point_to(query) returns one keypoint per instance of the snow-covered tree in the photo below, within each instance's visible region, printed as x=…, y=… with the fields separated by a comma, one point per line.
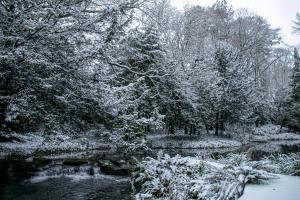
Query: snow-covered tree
x=226, y=85
x=47, y=49
x=296, y=77
x=139, y=82
x=297, y=23
x=292, y=111
x=74, y=65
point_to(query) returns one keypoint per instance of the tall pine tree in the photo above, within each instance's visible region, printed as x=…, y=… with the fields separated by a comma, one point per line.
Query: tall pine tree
x=296, y=78
x=144, y=59
x=293, y=104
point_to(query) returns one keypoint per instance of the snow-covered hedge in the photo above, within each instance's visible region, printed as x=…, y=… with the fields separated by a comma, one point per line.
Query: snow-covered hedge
x=192, y=178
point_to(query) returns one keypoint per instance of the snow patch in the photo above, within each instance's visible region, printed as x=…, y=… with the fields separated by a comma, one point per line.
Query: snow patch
x=286, y=187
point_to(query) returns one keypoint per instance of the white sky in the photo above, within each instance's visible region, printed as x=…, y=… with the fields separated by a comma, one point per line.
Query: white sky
x=279, y=13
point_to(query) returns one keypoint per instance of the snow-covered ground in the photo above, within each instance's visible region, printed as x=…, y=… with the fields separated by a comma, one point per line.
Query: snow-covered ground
x=283, y=188
x=271, y=132
x=33, y=142
x=30, y=143
x=236, y=137
x=279, y=136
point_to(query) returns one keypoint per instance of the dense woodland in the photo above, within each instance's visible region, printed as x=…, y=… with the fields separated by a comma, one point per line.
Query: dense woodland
x=134, y=67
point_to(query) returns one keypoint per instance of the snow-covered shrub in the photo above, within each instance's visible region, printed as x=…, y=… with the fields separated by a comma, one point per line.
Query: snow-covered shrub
x=280, y=163
x=191, y=178
x=268, y=129
x=284, y=163
x=126, y=143
x=238, y=131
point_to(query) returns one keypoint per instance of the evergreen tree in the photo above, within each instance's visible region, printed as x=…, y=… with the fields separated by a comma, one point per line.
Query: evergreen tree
x=293, y=104
x=296, y=77
x=225, y=86
x=46, y=59
x=144, y=59
x=297, y=24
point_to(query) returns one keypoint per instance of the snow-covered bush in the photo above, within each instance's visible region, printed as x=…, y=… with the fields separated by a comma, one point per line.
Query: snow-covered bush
x=268, y=129
x=126, y=143
x=280, y=163
x=192, y=178
x=285, y=163
x=272, y=132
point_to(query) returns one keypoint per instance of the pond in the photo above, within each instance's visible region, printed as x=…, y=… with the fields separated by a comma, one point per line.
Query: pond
x=285, y=146
x=66, y=188
x=56, y=181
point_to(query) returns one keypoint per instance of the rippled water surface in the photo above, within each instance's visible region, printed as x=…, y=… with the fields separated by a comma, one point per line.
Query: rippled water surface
x=66, y=188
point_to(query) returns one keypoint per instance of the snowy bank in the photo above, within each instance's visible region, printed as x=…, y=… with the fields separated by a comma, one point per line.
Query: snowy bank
x=29, y=143
x=270, y=132
x=286, y=187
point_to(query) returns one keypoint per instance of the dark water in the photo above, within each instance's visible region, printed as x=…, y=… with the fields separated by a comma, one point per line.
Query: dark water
x=284, y=147
x=57, y=181
x=66, y=188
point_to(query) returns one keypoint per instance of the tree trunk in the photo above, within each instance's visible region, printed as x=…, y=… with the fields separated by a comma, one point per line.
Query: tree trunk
x=282, y=123
x=194, y=129
x=222, y=123
x=147, y=129
x=205, y=124
x=171, y=129
x=217, y=124
x=186, y=131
